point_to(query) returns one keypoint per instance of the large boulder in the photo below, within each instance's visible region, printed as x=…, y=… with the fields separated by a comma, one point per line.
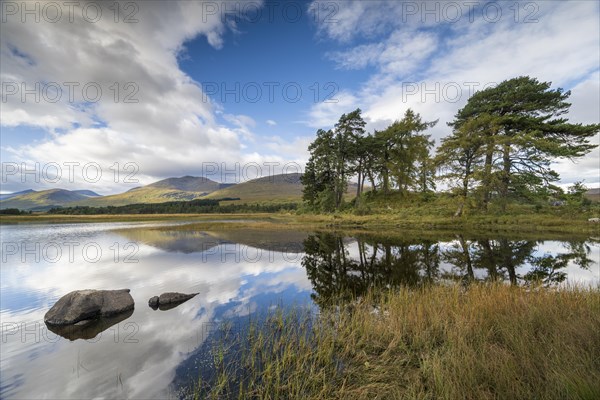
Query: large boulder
x=82, y=305
x=169, y=300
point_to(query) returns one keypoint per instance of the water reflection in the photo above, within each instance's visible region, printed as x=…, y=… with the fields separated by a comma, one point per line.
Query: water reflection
x=88, y=329
x=238, y=273
x=141, y=356
x=345, y=268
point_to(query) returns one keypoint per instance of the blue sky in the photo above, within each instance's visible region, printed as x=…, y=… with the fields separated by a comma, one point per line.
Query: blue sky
x=176, y=58
x=264, y=62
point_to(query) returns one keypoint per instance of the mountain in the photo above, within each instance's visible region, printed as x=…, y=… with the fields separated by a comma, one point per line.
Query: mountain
x=88, y=193
x=170, y=189
x=270, y=189
x=7, y=196
x=187, y=184
x=593, y=194
x=43, y=200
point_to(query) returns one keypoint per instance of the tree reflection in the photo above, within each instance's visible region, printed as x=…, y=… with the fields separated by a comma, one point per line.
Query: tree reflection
x=549, y=269
x=344, y=268
x=335, y=273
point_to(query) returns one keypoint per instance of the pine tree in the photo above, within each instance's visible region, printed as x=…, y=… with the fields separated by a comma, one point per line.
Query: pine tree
x=530, y=132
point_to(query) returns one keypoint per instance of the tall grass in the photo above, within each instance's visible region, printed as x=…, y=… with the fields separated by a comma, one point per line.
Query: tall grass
x=438, y=342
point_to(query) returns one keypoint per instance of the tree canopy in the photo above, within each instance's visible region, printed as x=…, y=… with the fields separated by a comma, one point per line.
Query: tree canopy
x=501, y=147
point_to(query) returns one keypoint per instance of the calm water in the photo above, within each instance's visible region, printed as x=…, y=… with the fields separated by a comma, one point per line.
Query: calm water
x=239, y=275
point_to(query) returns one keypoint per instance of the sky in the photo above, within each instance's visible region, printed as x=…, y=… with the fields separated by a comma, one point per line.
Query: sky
x=109, y=96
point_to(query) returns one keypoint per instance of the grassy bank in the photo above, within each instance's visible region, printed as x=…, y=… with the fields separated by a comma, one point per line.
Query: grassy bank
x=392, y=215
x=446, y=342
x=54, y=218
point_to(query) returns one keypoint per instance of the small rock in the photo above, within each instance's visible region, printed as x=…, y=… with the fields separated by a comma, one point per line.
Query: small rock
x=596, y=220
x=169, y=300
x=153, y=302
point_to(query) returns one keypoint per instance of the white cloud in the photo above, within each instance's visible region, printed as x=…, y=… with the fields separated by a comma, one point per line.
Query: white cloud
x=433, y=67
x=171, y=127
x=271, y=122
x=324, y=115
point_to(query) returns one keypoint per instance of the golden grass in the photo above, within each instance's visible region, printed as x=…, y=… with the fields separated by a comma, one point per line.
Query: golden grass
x=437, y=342
x=422, y=218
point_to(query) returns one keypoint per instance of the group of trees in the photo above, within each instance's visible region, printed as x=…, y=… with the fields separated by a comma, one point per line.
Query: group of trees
x=501, y=146
x=396, y=157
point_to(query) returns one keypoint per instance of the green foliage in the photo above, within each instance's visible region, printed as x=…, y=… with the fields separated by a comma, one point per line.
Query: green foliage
x=14, y=211
x=576, y=195
x=506, y=137
x=398, y=156
x=406, y=153
x=335, y=155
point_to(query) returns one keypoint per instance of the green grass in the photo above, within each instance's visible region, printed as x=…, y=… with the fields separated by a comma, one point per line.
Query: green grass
x=438, y=342
x=54, y=218
x=392, y=214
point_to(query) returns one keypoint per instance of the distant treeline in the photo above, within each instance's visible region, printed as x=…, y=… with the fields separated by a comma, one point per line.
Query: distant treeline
x=202, y=206
x=14, y=211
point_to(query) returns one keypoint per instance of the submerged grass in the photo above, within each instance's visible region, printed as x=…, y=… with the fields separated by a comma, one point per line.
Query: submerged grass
x=437, y=342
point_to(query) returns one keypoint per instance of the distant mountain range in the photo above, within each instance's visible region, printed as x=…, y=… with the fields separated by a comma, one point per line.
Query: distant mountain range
x=45, y=199
x=272, y=189
x=11, y=195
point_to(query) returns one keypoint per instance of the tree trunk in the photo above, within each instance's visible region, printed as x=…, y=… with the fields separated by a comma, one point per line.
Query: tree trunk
x=358, y=189
x=467, y=257
x=505, y=176
x=459, y=210
x=507, y=256
x=488, y=259
x=386, y=174
x=372, y=180
x=487, y=176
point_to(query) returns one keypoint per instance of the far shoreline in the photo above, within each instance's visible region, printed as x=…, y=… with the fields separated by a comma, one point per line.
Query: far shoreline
x=389, y=224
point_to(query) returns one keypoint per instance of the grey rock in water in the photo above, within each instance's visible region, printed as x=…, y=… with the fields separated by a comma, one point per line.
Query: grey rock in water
x=153, y=302
x=169, y=300
x=82, y=305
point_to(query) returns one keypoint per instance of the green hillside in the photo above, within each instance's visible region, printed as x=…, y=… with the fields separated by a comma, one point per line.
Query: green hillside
x=170, y=189
x=283, y=188
x=43, y=199
x=593, y=194
x=270, y=189
x=187, y=184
